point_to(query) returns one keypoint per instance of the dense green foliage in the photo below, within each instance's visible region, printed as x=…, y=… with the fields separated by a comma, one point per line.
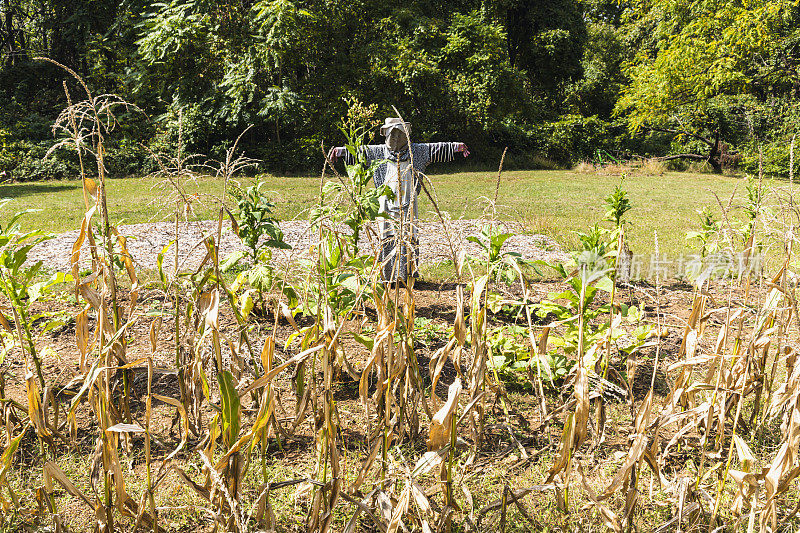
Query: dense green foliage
x=554, y=81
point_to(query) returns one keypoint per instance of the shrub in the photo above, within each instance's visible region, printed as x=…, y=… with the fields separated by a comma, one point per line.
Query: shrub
x=25, y=161
x=775, y=158
x=585, y=167
x=127, y=158
x=573, y=138
x=300, y=154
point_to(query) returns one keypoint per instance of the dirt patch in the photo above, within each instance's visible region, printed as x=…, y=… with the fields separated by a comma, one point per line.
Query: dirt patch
x=513, y=416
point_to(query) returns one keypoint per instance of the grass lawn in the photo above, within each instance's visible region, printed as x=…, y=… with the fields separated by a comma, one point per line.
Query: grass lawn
x=556, y=203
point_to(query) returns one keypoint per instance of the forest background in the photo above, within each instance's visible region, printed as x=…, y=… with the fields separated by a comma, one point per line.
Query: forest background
x=557, y=82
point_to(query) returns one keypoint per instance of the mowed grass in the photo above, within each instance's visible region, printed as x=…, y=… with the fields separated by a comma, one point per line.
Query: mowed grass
x=561, y=203
x=555, y=203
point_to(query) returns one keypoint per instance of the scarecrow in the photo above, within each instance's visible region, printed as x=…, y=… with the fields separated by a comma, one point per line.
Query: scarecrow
x=400, y=170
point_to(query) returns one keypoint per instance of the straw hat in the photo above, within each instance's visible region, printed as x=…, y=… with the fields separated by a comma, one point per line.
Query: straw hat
x=394, y=122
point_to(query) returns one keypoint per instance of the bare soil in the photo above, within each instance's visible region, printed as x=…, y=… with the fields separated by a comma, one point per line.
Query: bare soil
x=511, y=409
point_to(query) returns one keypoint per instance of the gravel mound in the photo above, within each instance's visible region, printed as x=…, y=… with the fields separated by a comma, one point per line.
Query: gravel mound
x=146, y=241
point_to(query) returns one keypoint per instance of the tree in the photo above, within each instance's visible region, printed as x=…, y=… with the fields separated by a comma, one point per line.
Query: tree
x=596, y=92
x=546, y=41
x=280, y=24
x=493, y=70
x=694, y=56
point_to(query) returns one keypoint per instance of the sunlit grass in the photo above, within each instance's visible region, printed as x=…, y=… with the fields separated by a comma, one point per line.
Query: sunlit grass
x=556, y=203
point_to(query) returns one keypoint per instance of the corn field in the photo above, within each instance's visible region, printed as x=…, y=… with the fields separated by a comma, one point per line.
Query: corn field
x=251, y=394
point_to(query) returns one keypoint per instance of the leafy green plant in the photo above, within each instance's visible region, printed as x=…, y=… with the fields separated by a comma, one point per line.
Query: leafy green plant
x=509, y=357
x=559, y=366
x=261, y=233
x=590, y=278
x=344, y=278
x=349, y=200
x=753, y=207
x=359, y=203
x=617, y=204
x=630, y=342
x=505, y=352
x=16, y=282
x=427, y=332
x=256, y=226
x=709, y=227
x=597, y=239
x=499, y=262
x=575, y=308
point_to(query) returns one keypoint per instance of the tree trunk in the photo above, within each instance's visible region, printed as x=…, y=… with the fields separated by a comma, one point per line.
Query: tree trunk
x=8, y=33
x=714, y=155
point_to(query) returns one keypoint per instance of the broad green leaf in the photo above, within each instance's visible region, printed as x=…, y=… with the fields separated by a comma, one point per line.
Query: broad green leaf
x=368, y=342
x=231, y=260
x=160, y=262
x=231, y=408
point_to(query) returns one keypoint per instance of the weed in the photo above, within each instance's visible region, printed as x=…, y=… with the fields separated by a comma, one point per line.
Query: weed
x=255, y=225
x=707, y=233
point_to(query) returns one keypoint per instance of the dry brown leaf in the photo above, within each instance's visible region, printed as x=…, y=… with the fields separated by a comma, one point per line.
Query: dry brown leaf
x=400, y=509
x=610, y=519
x=90, y=186
x=440, y=358
x=126, y=428
x=746, y=457
x=267, y=353
x=459, y=326
x=420, y=499
x=208, y=307
x=428, y=461
x=82, y=337
x=581, y=419
x=287, y=314
x=565, y=449
x=541, y=346
x=643, y=415
x=439, y=434
x=91, y=296
x=362, y=474
x=4, y=322
x=634, y=456
x=53, y=472
x=266, y=378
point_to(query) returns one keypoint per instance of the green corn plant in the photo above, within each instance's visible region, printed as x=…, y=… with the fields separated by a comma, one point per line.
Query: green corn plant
x=229, y=422
x=617, y=204
x=498, y=262
x=707, y=234
x=255, y=225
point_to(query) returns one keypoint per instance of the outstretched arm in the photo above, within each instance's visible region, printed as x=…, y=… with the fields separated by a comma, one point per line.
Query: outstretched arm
x=369, y=151
x=336, y=152
x=441, y=152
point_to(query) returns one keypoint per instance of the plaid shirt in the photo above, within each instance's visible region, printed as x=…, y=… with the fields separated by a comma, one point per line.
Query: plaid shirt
x=422, y=155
